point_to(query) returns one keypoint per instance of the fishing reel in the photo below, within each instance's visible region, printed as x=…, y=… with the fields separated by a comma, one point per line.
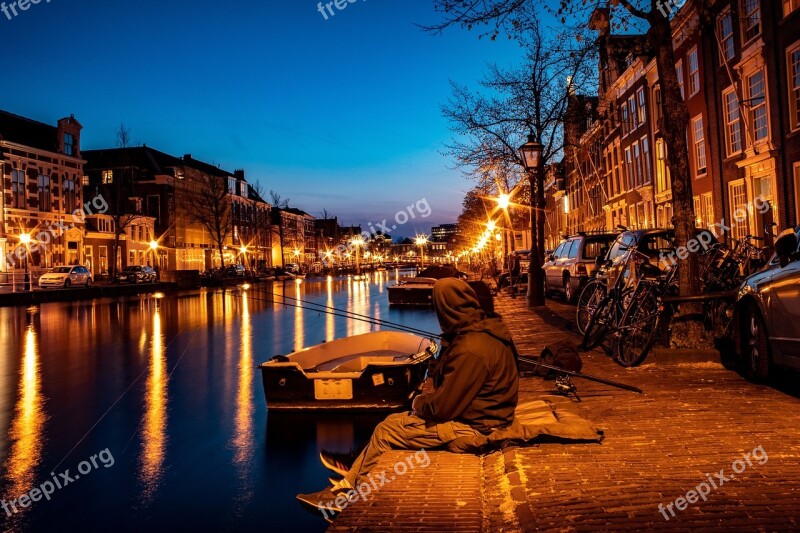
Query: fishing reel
x=565, y=386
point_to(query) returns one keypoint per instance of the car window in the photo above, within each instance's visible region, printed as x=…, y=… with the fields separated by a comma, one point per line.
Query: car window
x=592, y=249
x=652, y=245
x=557, y=253
x=574, y=248
x=61, y=270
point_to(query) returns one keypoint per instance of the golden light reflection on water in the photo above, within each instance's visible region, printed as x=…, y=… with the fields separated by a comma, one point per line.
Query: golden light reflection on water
x=27, y=428
x=330, y=323
x=243, y=441
x=154, y=430
x=299, y=330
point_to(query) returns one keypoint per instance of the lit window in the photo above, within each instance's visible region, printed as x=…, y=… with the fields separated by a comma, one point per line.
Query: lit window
x=646, y=160
x=629, y=167
x=751, y=19
x=726, y=36
x=794, y=85
x=789, y=6
x=642, y=108
x=69, y=195
x=739, y=216
x=699, y=145
x=633, y=116
x=694, y=72
x=108, y=177
x=758, y=106
x=663, y=183
x=85, y=181
x=708, y=209
x=733, y=123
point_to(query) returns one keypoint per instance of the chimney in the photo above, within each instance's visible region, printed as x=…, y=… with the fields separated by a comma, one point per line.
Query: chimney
x=186, y=157
x=238, y=174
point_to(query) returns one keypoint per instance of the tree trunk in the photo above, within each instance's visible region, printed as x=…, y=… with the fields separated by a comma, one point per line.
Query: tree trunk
x=674, y=128
x=535, y=273
x=221, y=254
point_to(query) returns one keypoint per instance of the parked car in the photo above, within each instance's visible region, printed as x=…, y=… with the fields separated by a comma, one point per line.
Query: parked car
x=66, y=277
x=136, y=274
x=574, y=262
x=293, y=268
x=767, y=312
x=235, y=271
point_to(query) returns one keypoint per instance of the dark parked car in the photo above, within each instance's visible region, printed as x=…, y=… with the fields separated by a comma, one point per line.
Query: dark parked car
x=574, y=262
x=136, y=274
x=767, y=313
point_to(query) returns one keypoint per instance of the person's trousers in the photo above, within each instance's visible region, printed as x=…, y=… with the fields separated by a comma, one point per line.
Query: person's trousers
x=405, y=431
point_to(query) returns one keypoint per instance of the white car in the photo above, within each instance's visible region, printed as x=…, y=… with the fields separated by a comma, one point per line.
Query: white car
x=66, y=277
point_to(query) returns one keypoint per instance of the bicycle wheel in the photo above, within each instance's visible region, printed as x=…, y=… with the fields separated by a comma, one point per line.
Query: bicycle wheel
x=590, y=297
x=636, y=332
x=597, y=326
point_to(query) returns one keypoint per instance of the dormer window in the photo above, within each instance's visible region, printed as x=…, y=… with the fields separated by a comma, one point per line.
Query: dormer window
x=69, y=144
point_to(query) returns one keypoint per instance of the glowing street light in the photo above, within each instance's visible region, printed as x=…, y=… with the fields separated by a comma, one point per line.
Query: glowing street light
x=503, y=201
x=25, y=240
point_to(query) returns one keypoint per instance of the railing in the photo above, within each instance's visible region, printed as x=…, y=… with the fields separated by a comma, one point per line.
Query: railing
x=16, y=281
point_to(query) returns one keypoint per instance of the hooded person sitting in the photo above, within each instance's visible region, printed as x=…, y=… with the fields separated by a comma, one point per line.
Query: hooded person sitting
x=475, y=391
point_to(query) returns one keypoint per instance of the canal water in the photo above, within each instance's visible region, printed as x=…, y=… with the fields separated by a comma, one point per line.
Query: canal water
x=153, y=408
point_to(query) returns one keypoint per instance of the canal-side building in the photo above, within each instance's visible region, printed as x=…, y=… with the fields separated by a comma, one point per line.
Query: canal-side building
x=41, y=167
x=174, y=191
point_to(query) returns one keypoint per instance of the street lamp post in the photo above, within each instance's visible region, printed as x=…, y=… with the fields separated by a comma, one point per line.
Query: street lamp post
x=531, y=154
x=25, y=239
x=421, y=241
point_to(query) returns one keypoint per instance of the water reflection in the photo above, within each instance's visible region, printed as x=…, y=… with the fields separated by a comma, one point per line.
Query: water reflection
x=27, y=428
x=154, y=429
x=243, y=442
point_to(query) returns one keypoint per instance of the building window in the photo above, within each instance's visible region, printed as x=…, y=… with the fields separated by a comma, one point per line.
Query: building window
x=232, y=185
x=751, y=19
x=629, y=167
x=69, y=144
x=726, y=36
x=663, y=183
x=758, y=106
x=44, y=193
x=108, y=177
x=733, y=122
x=698, y=218
x=699, y=146
x=789, y=6
x=624, y=119
x=797, y=187
x=637, y=160
x=18, y=188
x=632, y=114
x=131, y=257
x=85, y=181
x=738, y=195
x=657, y=109
x=69, y=195
x=642, y=108
x=679, y=71
x=793, y=57
x=646, y=160
x=708, y=209
x=694, y=72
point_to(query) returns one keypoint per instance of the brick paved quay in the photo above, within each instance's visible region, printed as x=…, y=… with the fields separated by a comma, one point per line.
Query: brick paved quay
x=694, y=420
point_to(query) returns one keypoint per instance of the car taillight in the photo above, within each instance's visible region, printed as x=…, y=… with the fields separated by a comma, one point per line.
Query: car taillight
x=580, y=270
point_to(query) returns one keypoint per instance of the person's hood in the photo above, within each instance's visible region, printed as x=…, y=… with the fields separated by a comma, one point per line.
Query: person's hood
x=456, y=305
x=459, y=311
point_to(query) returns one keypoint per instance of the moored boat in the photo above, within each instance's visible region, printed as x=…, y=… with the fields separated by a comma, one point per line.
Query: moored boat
x=373, y=371
x=419, y=289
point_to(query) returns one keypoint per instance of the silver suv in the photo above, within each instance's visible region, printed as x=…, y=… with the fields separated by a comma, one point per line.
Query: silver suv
x=574, y=262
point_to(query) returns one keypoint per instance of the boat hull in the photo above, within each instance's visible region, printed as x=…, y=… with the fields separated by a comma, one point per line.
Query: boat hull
x=375, y=371
x=409, y=294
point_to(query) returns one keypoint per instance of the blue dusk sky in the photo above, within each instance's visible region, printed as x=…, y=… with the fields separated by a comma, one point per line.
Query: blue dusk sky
x=340, y=114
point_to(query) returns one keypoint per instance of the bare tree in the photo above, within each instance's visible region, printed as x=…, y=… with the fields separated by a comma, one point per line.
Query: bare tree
x=277, y=201
x=120, y=190
x=212, y=207
x=497, y=16
x=530, y=99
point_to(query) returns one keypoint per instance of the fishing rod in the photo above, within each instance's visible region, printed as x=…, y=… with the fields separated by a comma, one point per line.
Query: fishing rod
x=346, y=314
x=568, y=387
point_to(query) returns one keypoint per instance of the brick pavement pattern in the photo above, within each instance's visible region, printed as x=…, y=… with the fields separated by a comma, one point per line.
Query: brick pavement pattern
x=694, y=420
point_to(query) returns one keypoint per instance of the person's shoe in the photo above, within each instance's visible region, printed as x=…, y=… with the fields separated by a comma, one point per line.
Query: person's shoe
x=338, y=463
x=325, y=500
